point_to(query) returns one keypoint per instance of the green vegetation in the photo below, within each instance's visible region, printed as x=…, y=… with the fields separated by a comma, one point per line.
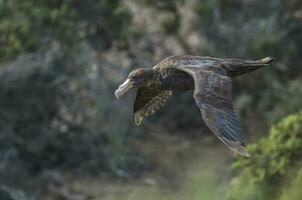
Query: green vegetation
x=29, y=26
x=275, y=159
x=293, y=192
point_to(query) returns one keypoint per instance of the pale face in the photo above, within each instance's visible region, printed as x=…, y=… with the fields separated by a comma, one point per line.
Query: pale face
x=137, y=78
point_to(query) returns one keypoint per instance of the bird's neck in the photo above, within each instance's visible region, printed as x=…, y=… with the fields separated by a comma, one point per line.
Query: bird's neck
x=155, y=81
x=160, y=80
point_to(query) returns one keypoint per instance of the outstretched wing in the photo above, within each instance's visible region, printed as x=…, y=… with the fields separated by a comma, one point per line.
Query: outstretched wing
x=213, y=95
x=147, y=102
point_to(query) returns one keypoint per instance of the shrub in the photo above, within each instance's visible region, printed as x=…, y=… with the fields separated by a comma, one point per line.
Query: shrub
x=262, y=176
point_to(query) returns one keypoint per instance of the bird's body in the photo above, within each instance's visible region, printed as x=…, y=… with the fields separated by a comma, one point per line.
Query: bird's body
x=211, y=79
x=173, y=79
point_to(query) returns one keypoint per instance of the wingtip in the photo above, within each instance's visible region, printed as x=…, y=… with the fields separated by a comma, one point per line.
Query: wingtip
x=137, y=119
x=237, y=147
x=241, y=150
x=245, y=153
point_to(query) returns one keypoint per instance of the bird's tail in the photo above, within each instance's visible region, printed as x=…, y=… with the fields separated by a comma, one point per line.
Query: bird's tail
x=238, y=67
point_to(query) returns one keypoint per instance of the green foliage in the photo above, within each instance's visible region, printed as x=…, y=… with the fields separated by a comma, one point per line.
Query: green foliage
x=170, y=22
x=261, y=176
x=159, y=4
x=293, y=192
x=27, y=26
x=280, y=94
x=208, y=10
x=56, y=116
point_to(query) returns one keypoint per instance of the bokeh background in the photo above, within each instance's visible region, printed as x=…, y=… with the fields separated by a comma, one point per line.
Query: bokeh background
x=63, y=135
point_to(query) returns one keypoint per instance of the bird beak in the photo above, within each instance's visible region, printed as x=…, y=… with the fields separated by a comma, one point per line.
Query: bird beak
x=123, y=88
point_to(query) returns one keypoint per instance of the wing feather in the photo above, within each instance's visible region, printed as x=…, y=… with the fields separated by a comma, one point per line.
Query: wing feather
x=147, y=102
x=213, y=95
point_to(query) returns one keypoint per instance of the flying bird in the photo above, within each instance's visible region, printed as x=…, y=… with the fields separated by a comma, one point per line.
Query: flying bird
x=211, y=80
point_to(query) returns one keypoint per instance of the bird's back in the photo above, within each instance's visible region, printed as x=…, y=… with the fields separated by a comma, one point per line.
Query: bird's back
x=224, y=66
x=187, y=60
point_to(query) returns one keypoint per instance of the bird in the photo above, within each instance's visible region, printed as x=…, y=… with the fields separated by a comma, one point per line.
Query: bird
x=211, y=80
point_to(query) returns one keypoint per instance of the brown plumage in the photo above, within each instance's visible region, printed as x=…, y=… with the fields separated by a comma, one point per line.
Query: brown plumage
x=211, y=79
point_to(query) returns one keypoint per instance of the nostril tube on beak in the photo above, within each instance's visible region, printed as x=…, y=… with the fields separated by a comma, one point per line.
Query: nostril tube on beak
x=123, y=88
x=116, y=94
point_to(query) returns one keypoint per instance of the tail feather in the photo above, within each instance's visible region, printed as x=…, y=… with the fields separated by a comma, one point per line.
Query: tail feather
x=239, y=67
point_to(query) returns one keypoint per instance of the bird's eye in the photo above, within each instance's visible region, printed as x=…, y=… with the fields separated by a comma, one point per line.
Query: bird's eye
x=137, y=77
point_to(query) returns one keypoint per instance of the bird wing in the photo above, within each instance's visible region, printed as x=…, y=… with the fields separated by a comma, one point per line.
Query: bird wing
x=213, y=95
x=147, y=102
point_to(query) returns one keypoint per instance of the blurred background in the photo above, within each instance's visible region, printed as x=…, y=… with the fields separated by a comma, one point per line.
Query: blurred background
x=64, y=136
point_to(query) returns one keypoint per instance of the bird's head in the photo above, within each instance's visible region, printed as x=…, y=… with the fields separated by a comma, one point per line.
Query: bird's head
x=136, y=79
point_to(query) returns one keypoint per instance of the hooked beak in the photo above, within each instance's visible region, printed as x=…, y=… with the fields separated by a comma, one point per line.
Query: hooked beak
x=123, y=88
